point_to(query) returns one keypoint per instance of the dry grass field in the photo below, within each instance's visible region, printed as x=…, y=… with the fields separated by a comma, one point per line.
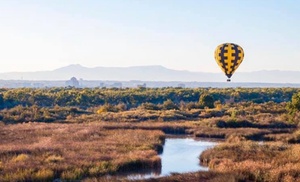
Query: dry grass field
x=43, y=152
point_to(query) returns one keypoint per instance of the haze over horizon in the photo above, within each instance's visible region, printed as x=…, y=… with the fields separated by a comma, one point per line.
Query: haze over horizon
x=180, y=35
x=154, y=73
x=92, y=67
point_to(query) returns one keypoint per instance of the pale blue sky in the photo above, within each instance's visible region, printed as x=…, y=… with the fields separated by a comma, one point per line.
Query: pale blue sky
x=178, y=34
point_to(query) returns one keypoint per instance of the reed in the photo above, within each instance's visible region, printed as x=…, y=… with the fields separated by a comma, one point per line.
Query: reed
x=270, y=161
x=43, y=152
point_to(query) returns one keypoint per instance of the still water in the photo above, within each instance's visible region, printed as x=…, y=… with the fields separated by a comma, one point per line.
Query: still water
x=180, y=155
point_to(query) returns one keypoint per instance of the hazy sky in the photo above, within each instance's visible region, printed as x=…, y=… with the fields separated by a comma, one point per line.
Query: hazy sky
x=178, y=34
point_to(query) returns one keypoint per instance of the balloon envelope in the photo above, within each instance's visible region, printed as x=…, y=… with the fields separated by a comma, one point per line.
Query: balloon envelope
x=229, y=56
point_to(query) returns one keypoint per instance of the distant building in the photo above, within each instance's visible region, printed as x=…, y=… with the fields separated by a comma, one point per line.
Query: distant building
x=73, y=82
x=142, y=85
x=181, y=85
x=37, y=85
x=81, y=82
x=116, y=85
x=102, y=85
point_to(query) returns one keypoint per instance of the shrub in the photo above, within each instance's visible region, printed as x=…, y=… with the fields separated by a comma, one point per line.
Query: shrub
x=72, y=174
x=193, y=105
x=20, y=157
x=150, y=106
x=168, y=105
x=206, y=100
x=54, y=159
x=44, y=175
x=107, y=108
x=218, y=105
x=294, y=104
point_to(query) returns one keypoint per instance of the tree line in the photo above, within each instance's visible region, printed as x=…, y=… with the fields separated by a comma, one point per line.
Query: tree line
x=134, y=97
x=57, y=104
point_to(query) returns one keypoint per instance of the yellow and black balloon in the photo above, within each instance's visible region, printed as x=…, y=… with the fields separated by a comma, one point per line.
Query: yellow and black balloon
x=229, y=56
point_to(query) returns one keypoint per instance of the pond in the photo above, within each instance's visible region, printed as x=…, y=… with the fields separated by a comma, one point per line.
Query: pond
x=179, y=155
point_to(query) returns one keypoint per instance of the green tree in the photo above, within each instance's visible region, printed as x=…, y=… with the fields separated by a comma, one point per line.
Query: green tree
x=169, y=104
x=206, y=100
x=294, y=105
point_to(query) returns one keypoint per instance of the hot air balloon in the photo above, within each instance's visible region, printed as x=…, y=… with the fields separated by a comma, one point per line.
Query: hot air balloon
x=229, y=56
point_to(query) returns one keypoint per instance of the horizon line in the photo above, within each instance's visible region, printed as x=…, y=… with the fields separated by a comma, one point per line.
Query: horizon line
x=136, y=66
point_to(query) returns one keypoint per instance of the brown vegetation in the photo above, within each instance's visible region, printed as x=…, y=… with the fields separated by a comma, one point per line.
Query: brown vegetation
x=88, y=133
x=268, y=161
x=42, y=152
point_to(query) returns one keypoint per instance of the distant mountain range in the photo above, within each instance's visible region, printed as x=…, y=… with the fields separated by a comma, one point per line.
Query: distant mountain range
x=151, y=73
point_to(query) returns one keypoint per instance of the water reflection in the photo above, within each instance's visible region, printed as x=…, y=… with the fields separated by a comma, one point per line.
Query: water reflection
x=179, y=155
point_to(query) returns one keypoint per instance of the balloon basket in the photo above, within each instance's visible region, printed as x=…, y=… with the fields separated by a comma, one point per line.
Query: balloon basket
x=228, y=80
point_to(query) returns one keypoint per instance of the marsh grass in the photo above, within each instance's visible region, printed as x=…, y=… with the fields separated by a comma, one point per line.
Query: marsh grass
x=53, y=159
x=270, y=161
x=253, y=121
x=43, y=152
x=20, y=158
x=295, y=138
x=113, y=138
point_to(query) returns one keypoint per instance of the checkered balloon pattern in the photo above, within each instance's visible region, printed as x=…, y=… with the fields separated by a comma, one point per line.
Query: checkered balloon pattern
x=229, y=56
